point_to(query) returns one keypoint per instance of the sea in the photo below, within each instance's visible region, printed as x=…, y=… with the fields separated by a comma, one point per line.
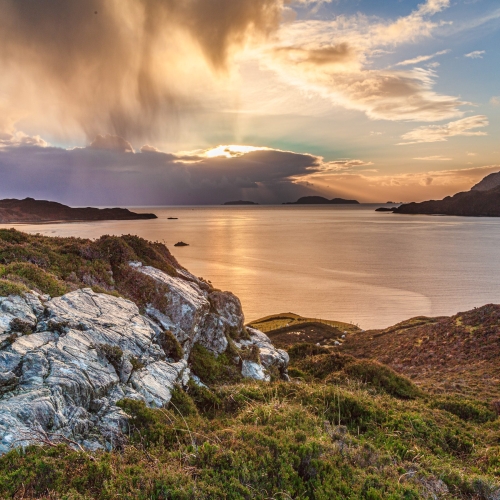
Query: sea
x=345, y=263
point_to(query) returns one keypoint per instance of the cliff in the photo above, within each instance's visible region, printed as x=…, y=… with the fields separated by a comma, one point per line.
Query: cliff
x=30, y=210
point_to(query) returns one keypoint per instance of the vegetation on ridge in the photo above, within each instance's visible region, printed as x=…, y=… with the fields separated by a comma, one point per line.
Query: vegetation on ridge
x=56, y=266
x=336, y=439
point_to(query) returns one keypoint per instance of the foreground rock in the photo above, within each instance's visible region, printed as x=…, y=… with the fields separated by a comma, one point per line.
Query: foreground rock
x=30, y=210
x=66, y=361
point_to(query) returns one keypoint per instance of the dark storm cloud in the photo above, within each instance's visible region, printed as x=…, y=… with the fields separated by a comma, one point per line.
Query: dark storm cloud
x=116, y=176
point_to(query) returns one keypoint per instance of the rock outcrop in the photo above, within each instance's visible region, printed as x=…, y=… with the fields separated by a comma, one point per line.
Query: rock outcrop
x=66, y=361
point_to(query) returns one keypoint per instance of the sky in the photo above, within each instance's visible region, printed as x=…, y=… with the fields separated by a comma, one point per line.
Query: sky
x=161, y=102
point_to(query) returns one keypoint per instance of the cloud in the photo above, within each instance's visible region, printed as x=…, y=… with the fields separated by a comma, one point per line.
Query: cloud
x=108, y=172
x=341, y=71
x=441, y=133
x=420, y=59
x=418, y=186
x=495, y=101
x=477, y=54
x=112, y=143
x=20, y=139
x=129, y=67
x=344, y=164
x=433, y=158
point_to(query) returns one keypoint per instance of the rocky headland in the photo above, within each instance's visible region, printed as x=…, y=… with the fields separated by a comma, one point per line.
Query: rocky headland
x=320, y=200
x=67, y=359
x=30, y=210
x=483, y=200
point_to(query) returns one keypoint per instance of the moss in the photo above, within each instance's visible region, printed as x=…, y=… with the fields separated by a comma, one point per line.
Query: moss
x=170, y=345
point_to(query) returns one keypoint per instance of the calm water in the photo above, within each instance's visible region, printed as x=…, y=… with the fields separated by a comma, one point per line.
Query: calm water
x=344, y=263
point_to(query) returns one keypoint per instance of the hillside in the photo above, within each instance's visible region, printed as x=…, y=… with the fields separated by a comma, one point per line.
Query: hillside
x=476, y=203
x=458, y=354
x=124, y=376
x=34, y=211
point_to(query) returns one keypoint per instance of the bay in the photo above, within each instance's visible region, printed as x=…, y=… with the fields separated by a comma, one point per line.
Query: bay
x=346, y=263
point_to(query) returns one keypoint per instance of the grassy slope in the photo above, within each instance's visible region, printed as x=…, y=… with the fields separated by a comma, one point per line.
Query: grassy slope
x=457, y=354
x=282, y=320
x=282, y=440
x=251, y=440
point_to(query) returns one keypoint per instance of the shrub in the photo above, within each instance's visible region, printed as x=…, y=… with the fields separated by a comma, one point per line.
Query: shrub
x=35, y=277
x=205, y=400
x=210, y=369
x=182, y=402
x=466, y=409
x=18, y=325
x=136, y=363
x=322, y=365
x=112, y=353
x=8, y=287
x=148, y=426
x=382, y=377
x=302, y=351
x=170, y=345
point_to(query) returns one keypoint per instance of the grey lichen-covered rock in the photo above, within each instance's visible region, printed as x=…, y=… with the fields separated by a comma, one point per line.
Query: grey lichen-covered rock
x=60, y=381
x=271, y=359
x=252, y=369
x=66, y=361
x=196, y=314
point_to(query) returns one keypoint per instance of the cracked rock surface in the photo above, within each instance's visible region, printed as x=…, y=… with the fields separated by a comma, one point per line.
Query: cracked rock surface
x=66, y=361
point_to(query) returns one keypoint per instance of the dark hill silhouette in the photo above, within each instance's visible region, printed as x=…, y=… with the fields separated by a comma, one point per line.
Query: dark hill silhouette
x=470, y=203
x=319, y=200
x=31, y=210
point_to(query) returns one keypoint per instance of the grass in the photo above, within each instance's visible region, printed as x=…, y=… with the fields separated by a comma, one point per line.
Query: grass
x=55, y=266
x=276, y=321
x=281, y=440
x=345, y=428
x=340, y=437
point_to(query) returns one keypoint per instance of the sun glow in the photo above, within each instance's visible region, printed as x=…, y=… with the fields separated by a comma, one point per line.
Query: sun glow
x=230, y=151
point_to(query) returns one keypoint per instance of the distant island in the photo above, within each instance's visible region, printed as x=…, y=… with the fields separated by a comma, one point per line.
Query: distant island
x=483, y=200
x=30, y=210
x=240, y=202
x=319, y=200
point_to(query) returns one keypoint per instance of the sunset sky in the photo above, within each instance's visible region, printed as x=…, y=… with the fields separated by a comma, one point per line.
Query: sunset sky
x=158, y=102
